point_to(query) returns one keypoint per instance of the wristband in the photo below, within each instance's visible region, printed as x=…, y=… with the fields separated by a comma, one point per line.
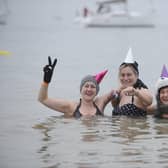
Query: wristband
x=44, y=83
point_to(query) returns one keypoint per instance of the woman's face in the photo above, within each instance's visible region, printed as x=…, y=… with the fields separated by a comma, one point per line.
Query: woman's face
x=127, y=76
x=88, y=91
x=164, y=95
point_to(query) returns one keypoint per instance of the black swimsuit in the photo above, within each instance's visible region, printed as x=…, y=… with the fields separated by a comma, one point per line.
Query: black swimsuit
x=77, y=113
x=129, y=109
x=160, y=111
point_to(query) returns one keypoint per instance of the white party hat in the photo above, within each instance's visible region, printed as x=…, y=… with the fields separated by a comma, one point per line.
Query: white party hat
x=129, y=57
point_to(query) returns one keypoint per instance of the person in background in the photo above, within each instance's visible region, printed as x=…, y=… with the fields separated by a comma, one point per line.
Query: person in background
x=89, y=105
x=85, y=12
x=133, y=95
x=160, y=109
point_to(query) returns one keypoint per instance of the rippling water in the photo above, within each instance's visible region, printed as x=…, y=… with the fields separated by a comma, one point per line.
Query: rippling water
x=103, y=142
x=32, y=136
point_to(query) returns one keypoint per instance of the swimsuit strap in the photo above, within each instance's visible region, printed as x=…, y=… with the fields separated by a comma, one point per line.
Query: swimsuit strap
x=132, y=99
x=77, y=113
x=98, y=112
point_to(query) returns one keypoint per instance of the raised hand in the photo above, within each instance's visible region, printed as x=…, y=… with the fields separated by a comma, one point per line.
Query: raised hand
x=48, y=70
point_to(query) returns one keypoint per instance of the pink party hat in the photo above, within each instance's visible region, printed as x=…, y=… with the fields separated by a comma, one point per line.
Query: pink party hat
x=164, y=73
x=100, y=76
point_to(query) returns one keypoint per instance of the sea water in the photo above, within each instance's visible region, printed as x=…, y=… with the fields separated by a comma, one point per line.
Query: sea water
x=32, y=135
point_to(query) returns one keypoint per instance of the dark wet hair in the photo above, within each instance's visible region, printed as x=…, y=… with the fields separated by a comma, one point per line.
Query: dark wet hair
x=139, y=84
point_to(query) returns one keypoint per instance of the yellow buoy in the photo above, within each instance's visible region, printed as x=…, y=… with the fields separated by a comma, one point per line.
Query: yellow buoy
x=4, y=53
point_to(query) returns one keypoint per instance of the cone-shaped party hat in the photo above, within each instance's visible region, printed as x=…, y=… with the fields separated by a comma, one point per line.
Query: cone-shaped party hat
x=163, y=80
x=100, y=76
x=129, y=57
x=164, y=73
x=96, y=79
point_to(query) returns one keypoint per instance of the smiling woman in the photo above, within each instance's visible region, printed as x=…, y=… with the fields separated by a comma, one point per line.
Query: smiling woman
x=160, y=109
x=134, y=95
x=89, y=105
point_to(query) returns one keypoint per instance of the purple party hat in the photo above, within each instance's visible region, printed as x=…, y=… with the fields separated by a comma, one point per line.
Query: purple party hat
x=164, y=73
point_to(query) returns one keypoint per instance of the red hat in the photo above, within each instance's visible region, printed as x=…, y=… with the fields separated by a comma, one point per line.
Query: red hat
x=100, y=76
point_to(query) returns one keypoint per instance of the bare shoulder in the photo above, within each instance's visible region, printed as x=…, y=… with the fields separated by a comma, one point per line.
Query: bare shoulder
x=99, y=100
x=103, y=100
x=71, y=107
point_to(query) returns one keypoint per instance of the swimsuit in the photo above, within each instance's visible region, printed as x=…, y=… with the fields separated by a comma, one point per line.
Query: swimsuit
x=161, y=111
x=129, y=109
x=77, y=113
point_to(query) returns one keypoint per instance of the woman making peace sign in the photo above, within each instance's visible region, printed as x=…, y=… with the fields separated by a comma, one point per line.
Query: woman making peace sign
x=89, y=104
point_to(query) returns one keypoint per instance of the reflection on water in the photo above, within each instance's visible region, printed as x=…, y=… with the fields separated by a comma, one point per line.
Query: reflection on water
x=103, y=142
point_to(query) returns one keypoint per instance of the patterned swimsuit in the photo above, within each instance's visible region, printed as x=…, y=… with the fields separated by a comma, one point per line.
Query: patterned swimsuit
x=129, y=109
x=77, y=113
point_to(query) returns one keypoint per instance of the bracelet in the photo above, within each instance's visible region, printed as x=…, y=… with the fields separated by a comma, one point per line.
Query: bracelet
x=45, y=84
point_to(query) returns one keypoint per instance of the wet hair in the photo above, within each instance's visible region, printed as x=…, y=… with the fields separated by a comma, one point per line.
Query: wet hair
x=162, y=88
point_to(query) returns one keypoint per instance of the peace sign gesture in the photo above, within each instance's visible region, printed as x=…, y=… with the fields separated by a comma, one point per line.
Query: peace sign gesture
x=48, y=70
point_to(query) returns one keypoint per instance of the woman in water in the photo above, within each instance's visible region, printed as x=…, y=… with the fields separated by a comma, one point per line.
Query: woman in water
x=160, y=109
x=89, y=105
x=133, y=95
